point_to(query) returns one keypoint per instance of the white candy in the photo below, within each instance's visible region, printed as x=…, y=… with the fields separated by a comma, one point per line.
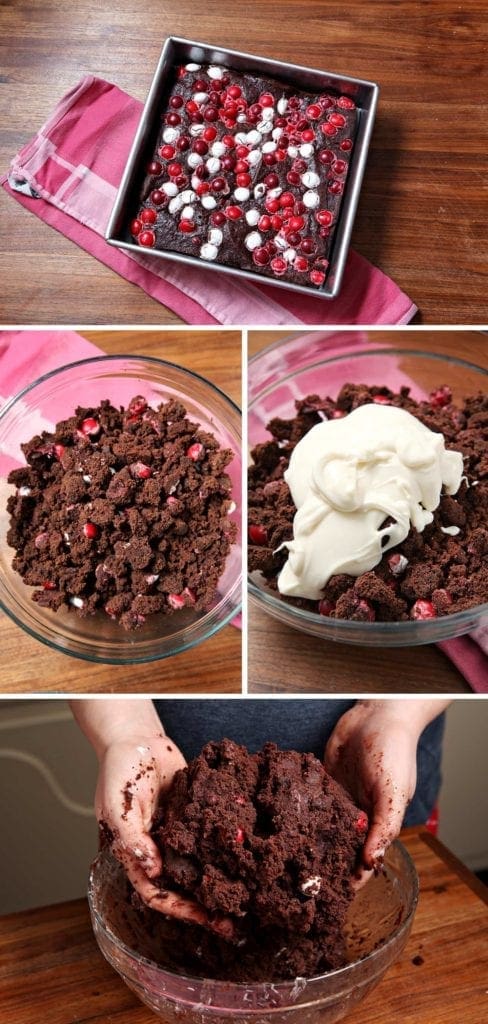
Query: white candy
x=241, y=194
x=200, y=97
x=252, y=240
x=252, y=217
x=282, y=105
x=187, y=212
x=87, y=478
x=280, y=242
x=208, y=251
x=192, y=67
x=169, y=188
x=259, y=190
x=215, y=72
x=264, y=127
x=215, y=236
x=312, y=885
x=268, y=113
x=292, y=151
x=218, y=149
x=274, y=193
x=194, y=160
x=277, y=133
x=213, y=165
x=195, y=181
x=310, y=179
x=289, y=255
x=232, y=507
x=254, y=157
x=269, y=147
x=188, y=196
x=254, y=137
x=170, y=134
x=175, y=205
x=209, y=203
x=197, y=129
x=241, y=118
x=24, y=491
x=311, y=200
x=306, y=149
x=77, y=602
x=241, y=138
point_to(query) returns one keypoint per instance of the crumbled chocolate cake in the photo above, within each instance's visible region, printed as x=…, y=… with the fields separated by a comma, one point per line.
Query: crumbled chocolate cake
x=271, y=841
x=124, y=511
x=247, y=172
x=439, y=571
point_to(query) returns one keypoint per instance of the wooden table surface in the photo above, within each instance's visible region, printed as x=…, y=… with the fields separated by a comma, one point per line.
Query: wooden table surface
x=319, y=666
x=51, y=969
x=422, y=216
x=212, y=667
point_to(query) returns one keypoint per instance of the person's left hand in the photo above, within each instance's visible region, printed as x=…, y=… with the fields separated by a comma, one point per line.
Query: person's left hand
x=372, y=753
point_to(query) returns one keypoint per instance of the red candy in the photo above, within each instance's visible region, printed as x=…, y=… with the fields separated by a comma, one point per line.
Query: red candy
x=90, y=427
x=423, y=610
x=135, y=226
x=264, y=223
x=258, y=535
x=337, y=119
x=271, y=180
x=278, y=266
x=317, y=277
x=174, y=170
x=233, y=212
x=441, y=397
x=314, y=111
x=324, y=217
x=195, y=452
x=90, y=531
x=346, y=103
x=148, y=216
x=361, y=822
x=167, y=152
x=186, y=226
x=140, y=470
x=326, y=607
x=266, y=100
x=154, y=167
x=137, y=406
x=209, y=133
x=147, y=238
x=261, y=256
x=239, y=836
x=158, y=197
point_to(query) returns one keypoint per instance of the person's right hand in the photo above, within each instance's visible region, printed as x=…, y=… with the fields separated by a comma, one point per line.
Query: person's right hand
x=133, y=775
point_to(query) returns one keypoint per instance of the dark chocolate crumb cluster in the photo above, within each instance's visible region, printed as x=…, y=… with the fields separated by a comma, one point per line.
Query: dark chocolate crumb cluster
x=440, y=571
x=271, y=841
x=124, y=511
x=247, y=172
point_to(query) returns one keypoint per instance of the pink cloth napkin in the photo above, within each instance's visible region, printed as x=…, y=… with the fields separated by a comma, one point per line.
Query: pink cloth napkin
x=74, y=165
x=27, y=355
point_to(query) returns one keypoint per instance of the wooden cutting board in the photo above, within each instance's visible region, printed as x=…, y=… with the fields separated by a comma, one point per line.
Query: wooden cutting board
x=51, y=970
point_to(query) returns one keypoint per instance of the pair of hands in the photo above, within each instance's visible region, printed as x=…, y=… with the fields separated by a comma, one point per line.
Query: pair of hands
x=372, y=753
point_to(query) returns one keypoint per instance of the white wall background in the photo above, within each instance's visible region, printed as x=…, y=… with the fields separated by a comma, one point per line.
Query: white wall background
x=47, y=780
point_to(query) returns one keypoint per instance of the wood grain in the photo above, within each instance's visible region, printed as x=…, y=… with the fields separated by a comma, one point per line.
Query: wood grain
x=318, y=666
x=51, y=969
x=212, y=667
x=422, y=215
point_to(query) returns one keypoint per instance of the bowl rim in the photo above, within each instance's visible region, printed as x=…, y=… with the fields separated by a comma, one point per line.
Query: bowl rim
x=130, y=656
x=280, y=985
x=347, y=626
x=114, y=358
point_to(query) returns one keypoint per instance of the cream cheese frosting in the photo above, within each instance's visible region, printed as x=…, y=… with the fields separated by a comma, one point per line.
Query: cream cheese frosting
x=347, y=477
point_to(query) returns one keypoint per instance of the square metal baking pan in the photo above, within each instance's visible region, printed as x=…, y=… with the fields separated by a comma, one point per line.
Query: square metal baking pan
x=182, y=51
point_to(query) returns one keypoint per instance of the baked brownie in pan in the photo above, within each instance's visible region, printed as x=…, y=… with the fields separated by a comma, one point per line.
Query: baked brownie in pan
x=286, y=81
x=439, y=571
x=269, y=840
x=123, y=511
x=248, y=172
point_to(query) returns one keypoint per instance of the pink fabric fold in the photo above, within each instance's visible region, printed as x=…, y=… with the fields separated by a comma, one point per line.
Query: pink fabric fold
x=74, y=165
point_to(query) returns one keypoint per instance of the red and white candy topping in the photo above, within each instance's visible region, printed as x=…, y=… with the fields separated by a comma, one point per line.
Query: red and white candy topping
x=241, y=169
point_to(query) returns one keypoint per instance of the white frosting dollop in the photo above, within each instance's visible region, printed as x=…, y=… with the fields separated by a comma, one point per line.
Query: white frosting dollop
x=346, y=477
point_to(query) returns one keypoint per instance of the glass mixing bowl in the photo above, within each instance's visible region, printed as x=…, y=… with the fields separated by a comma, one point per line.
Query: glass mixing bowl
x=378, y=926
x=320, y=363
x=118, y=378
